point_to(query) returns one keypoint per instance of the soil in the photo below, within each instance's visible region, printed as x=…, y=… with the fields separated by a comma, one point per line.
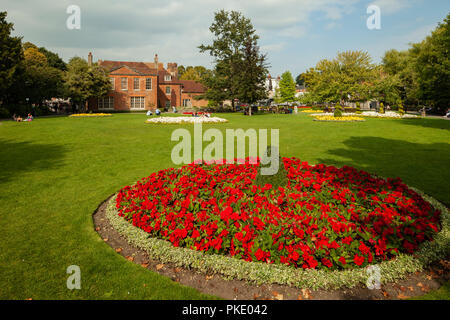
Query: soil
x=416, y=284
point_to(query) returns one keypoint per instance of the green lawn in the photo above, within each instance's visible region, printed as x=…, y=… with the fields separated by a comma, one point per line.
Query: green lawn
x=55, y=171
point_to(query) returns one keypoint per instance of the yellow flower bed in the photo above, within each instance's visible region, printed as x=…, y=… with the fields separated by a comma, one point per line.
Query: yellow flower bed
x=338, y=119
x=91, y=115
x=311, y=111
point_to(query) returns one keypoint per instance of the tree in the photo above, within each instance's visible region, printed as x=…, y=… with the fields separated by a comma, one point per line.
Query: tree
x=84, y=82
x=197, y=73
x=398, y=66
x=287, y=87
x=431, y=62
x=232, y=34
x=11, y=55
x=348, y=77
x=53, y=59
x=252, y=75
x=299, y=80
x=39, y=81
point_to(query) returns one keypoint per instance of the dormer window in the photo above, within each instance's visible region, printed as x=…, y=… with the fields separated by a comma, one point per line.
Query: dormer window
x=167, y=78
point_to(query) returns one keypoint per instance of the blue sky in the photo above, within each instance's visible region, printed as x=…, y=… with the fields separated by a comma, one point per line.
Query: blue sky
x=295, y=34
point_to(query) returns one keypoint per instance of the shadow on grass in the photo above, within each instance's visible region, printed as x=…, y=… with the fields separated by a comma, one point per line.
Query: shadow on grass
x=17, y=158
x=428, y=123
x=424, y=166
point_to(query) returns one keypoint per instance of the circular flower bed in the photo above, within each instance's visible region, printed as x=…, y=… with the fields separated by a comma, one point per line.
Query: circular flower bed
x=324, y=218
x=78, y=115
x=181, y=120
x=331, y=118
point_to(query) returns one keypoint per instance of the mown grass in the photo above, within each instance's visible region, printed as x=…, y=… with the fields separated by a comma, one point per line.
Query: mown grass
x=54, y=173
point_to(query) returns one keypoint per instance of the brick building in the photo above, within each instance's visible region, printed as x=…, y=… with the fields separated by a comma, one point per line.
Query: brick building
x=146, y=86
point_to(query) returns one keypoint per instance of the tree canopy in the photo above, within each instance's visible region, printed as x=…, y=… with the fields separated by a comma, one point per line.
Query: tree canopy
x=83, y=81
x=240, y=69
x=287, y=87
x=11, y=55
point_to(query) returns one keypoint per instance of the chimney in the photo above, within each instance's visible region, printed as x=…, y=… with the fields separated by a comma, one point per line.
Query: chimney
x=90, y=59
x=156, y=61
x=172, y=67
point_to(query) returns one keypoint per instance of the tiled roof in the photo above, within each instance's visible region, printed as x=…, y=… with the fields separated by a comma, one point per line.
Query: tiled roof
x=192, y=86
x=138, y=67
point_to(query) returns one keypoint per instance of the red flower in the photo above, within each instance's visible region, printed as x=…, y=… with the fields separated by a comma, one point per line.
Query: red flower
x=358, y=260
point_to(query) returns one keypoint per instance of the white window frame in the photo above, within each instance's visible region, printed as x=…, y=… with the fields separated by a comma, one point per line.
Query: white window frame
x=170, y=90
x=167, y=77
x=138, y=82
x=137, y=103
x=105, y=103
x=122, y=83
x=113, y=83
x=186, y=102
x=147, y=81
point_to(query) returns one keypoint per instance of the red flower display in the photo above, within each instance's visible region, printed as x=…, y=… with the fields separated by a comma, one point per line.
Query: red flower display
x=325, y=217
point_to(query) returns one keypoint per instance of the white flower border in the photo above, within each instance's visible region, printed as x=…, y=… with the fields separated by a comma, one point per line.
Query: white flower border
x=182, y=120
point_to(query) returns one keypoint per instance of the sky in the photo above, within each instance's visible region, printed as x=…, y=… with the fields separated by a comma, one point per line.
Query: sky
x=295, y=34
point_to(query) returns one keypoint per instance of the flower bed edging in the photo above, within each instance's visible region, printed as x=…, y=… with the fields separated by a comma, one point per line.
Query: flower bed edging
x=261, y=273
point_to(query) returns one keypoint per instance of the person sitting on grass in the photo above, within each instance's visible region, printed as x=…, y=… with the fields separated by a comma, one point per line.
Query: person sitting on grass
x=157, y=112
x=17, y=118
x=149, y=113
x=29, y=117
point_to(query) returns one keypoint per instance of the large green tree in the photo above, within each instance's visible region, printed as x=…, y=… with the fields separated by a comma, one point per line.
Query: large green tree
x=348, y=77
x=83, y=82
x=287, y=87
x=431, y=60
x=38, y=81
x=252, y=75
x=234, y=42
x=11, y=55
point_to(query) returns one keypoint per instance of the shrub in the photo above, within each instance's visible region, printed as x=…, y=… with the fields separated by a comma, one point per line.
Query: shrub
x=381, y=108
x=401, y=110
x=338, y=111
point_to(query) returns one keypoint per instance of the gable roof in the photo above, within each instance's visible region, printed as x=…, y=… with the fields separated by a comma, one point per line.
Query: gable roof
x=192, y=86
x=138, y=67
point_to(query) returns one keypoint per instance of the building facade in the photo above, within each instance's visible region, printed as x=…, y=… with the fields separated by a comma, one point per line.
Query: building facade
x=146, y=86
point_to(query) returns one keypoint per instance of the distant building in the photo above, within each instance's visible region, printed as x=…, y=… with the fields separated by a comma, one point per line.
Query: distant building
x=146, y=86
x=299, y=91
x=271, y=85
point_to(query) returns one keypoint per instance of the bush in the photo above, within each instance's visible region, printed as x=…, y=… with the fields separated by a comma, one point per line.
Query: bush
x=381, y=108
x=338, y=111
x=401, y=110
